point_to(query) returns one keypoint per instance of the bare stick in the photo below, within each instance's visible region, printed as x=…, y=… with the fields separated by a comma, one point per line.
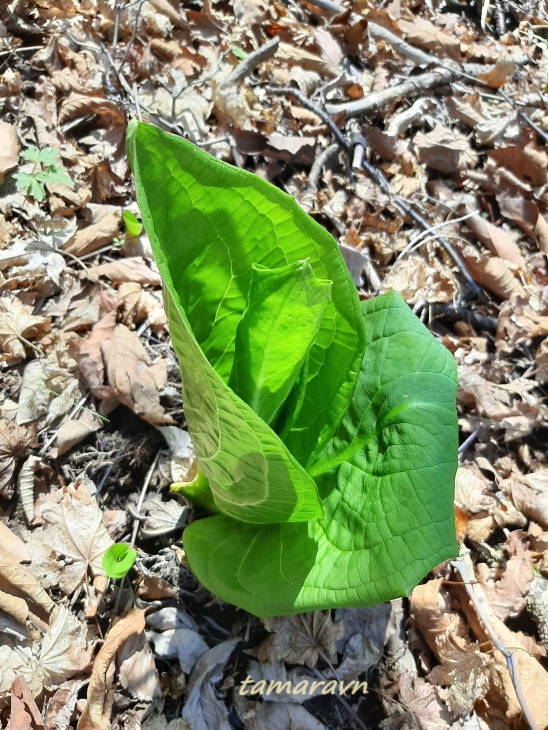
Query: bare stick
x=407, y=89
x=472, y=289
x=319, y=163
x=482, y=610
x=244, y=68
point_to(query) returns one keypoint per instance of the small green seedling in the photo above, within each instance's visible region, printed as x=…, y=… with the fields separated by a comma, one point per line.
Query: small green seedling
x=48, y=169
x=325, y=428
x=118, y=559
x=132, y=225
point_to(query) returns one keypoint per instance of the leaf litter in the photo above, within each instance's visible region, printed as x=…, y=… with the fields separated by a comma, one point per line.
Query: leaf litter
x=88, y=373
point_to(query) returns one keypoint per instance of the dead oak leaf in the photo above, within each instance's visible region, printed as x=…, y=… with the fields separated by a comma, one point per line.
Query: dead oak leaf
x=301, y=639
x=135, y=380
x=72, y=540
x=132, y=269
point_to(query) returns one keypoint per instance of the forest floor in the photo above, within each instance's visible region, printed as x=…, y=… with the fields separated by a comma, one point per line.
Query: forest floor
x=443, y=197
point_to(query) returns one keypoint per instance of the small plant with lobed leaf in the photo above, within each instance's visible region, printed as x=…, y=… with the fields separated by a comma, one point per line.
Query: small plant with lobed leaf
x=48, y=168
x=325, y=429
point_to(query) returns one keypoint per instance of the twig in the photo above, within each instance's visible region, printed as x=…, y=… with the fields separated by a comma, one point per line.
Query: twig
x=244, y=68
x=482, y=611
x=20, y=49
x=319, y=163
x=472, y=289
x=329, y=6
x=133, y=34
x=139, y=505
x=409, y=88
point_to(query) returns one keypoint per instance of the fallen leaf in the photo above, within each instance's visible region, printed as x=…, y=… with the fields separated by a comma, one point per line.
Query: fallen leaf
x=162, y=517
x=9, y=146
x=467, y=671
x=73, y=431
x=48, y=389
x=100, y=696
x=498, y=75
x=87, y=353
x=14, y=443
x=444, y=150
x=138, y=673
x=203, y=709
x=431, y=609
x=301, y=639
x=24, y=712
x=138, y=304
x=64, y=651
x=497, y=240
x=17, y=580
x=133, y=377
x=18, y=326
x=70, y=544
x=13, y=544
x=506, y=596
x=101, y=226
x=424, y=34
x=133, y=269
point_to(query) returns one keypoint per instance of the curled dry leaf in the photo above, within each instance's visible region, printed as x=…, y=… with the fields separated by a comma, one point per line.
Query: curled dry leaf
x=87, y=353
x=132, y=269
x=498, y=75
x=72, y=540
x=138, y=673
x=14, y=442
x=25, y=484
x=100, y=696
x=431, y=608
x=101, y=227
x=19, y=581
x=138, y=305
x=18, y=326
x=13, y=544
x=497, y=240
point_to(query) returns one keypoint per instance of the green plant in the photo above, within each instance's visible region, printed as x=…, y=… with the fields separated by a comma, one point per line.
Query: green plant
x=47, y=169
x=325, y=429
x=118, y=559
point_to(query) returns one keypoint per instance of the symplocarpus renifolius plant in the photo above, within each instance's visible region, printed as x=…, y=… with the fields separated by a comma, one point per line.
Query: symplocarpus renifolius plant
x=325, y=428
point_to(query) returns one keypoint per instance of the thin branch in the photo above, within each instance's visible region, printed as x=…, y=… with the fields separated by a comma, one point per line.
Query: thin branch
x=471, y=288
x=482, y=611
x=243, y=69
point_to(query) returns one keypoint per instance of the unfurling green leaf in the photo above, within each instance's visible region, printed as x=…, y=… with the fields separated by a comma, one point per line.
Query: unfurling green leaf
x=325, y=430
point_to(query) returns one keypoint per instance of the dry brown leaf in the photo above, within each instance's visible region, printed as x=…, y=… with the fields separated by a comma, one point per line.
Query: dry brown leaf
x=132, y=376
x=14, y=606
x=493, y=273
x=301, y=639
x=424, y=34
x=17, y=580
x=506, y=596
x=444, y=150
x=295, y=56
x=49, y=388
x=419, y=280
x=138, y=305
x=87, y=353
x=530, y=494
x=72, y=540
x=138, y=673
x=101, y=227
x=13, y=544
x=431, y=608
x=541, y=362
x=64, y=651
x=25, y=486
x=541, y=233
x=497, y=76
x=132, y=269
x=528, y=163
x=77, y=105
x=9, y=149
x=249, y=12
x=75, y=430
x=24, y=711
x=100, y=697
x=472, y=491
x=18, y=326
x=497, y=240
x=467, y=671
x=14, y=442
